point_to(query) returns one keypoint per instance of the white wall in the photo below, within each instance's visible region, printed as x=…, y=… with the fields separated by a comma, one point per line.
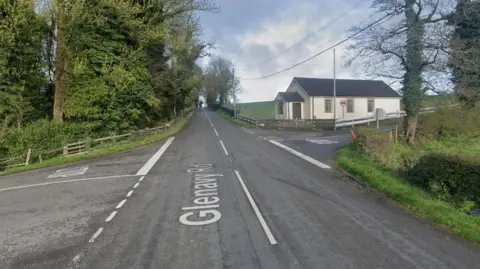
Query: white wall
x=306, y=105
x=360, y=107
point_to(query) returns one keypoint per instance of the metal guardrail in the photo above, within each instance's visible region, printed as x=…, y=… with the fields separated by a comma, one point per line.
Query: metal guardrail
x=362, y=120
x=247, y=119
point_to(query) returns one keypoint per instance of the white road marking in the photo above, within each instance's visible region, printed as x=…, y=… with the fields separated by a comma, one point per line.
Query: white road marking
x=301, y=155
x=141, y=178
x=129, y=193
x=257, y=211
x=69, y=172
x=199, y=207
x=223, y=146
x=76, y=258
x=64, y=181
x=248, y=131
x=96, y=234
x=322, y=141
x=151, y=162
x=111, y=216
x=136, y=185
x=215, y=131
x=121, y=204
x=212, y=125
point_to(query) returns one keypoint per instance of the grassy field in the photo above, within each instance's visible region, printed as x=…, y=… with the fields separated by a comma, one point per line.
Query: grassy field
x=266, y=109
x=101, y=152
x=416, y=200
x=256, y=110
x=230, y=118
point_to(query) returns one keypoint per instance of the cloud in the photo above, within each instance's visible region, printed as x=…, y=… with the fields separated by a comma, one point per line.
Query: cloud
x=248, y=46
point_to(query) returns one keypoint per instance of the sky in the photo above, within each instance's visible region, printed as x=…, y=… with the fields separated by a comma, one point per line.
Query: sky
x=249, y=32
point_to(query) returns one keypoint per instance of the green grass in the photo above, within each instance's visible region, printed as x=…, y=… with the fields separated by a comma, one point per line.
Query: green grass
x=100, y=152
x=256, y=110
x=224, y=115
x=439, y=212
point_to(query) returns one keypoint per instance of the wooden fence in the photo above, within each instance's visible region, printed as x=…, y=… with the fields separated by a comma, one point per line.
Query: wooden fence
x=313, y=125
x=87, y=145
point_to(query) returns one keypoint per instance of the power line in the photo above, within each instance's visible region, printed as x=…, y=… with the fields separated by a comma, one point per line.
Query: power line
x=343, y=14
x=321, y=52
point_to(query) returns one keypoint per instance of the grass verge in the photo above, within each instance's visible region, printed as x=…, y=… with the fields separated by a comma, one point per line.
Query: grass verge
x=438, y=212
x=224, y=115
x=100, y=152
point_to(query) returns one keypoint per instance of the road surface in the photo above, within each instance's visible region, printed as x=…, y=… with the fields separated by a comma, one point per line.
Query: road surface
x=215, y=196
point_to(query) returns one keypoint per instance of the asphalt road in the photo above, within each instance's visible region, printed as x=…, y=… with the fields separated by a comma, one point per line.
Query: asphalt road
x=216, y=196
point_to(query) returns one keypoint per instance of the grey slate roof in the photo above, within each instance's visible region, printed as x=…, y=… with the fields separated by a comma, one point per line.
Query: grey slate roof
x=346, y=87
x=291, y=96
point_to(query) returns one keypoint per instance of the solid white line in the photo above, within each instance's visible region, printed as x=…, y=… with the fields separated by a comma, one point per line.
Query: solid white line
x=224, y=149
x=96, y=234
x=301, y=155
x=215, y=131
x=64, y=181
x=199, y=207
x=136, y=185
x=121, y=204
x=111, y=216
x=257, y=211
x=140, y=179
x=212, y=125
x=151, y=162
x=129, y=193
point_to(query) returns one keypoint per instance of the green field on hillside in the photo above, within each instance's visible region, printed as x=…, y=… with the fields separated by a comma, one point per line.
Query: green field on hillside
x=265, y=110
x=256, y=110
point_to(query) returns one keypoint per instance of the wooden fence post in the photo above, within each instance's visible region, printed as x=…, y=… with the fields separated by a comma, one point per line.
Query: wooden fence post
x=396, y=133
x=27, y=160
x=378, y=120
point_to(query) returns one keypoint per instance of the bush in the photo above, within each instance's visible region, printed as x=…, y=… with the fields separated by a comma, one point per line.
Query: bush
x=448, y=122
x=448, y=177
x=44, y=135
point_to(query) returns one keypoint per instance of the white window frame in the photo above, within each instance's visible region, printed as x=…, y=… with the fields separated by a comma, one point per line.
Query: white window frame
x=329, y=101
x=352, y=101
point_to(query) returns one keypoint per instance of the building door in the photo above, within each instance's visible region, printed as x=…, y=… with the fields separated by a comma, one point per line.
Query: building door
x=297, y=110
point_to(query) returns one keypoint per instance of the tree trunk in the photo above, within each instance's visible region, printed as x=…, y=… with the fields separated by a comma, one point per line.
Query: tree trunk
x=60, y=64
x=410, y=129
x=412, y=91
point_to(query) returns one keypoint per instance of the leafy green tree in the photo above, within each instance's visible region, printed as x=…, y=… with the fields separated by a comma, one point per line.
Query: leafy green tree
x=22, y=83
x=465, y=51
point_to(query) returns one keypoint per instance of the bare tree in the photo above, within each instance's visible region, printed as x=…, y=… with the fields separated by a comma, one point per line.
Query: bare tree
x=404, y=47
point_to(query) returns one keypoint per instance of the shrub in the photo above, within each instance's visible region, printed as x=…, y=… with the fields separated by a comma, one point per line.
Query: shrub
x=448, y=177
x=44, y=135
x=447, y=122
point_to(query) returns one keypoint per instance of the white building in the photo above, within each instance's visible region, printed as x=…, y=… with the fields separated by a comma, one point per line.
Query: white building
x=312, y=98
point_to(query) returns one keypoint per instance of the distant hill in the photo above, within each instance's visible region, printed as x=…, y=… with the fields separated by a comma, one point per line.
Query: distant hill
x=256, y=110
x=266, y=109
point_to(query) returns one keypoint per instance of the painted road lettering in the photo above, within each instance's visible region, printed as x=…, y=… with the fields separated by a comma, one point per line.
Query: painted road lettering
x=205, y=191
x=69, y=172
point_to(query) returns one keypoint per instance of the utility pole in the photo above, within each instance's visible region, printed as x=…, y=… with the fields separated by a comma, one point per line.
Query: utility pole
x=234, y=95
x=334, y=93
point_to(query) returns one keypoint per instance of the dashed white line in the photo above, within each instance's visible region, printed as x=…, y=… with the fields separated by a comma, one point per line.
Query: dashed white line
x=111, y=216
x=121, y=204
x=223, y=146
x=215, y=131
x=64, y=181
x=136, y=185
x=140, y=179
x=257, y=211
x=301, y=155
x=129, y=193
x=96, y=234
x=151, y=162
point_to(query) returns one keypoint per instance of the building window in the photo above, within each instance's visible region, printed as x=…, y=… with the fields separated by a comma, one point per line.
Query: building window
x=280, y=107
x=371, y=105
x=350, y=106
x=328, y=105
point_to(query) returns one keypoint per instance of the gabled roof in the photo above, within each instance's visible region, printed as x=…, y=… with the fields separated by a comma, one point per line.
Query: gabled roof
x=346, y=87
x=291, y=96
